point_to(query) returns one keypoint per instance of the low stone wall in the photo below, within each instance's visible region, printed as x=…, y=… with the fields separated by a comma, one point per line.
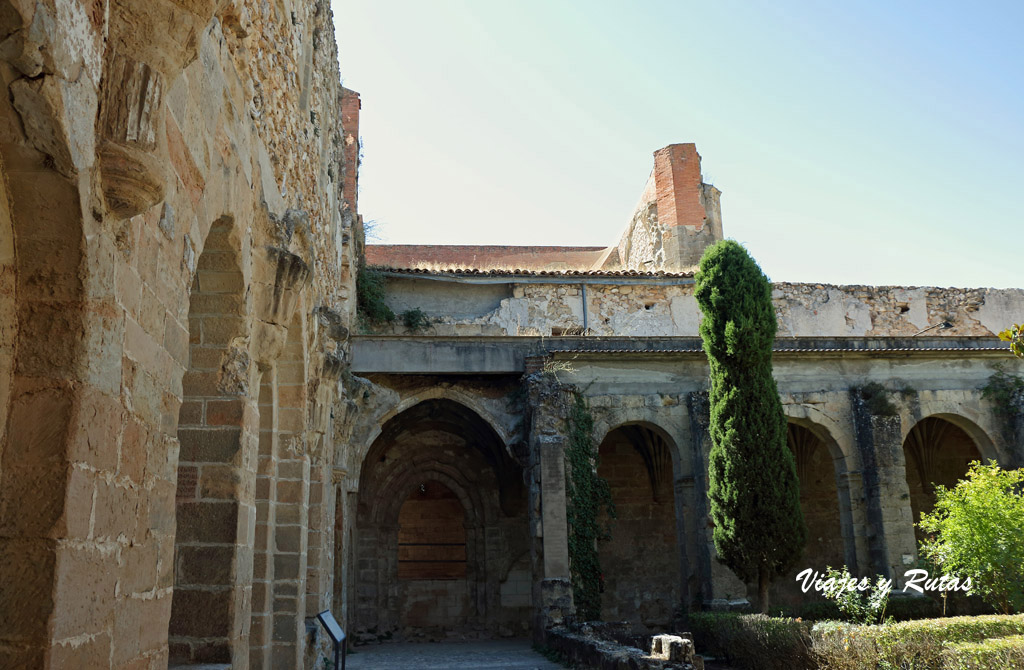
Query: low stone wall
x=601, y=647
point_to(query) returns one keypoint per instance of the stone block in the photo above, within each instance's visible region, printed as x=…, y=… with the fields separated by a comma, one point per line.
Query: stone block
x=288, y=539
x=26, y=588
x=201, y=613
x=96, y=429
x=205, y=565
x=92, y=653
x=213, y=522
x=85, y=582
x=222, y=482
x=225, y=412
x=287, y=566
x=139, y=565
x=116, y=510
x=291, y=491
x=205, y=445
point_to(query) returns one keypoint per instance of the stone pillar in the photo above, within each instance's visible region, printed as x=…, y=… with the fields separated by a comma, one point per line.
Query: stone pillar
x=290, y=558
x=700, y=442
x=890, y=536
x=263, y=549
x=339, y=604
x=552, y=590
x=853, y=521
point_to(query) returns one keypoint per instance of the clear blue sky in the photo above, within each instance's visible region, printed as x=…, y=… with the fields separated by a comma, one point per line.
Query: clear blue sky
x=854, y=142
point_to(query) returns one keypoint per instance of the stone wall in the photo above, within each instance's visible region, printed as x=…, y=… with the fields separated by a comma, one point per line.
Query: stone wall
x=664, y=306
x=141, y=143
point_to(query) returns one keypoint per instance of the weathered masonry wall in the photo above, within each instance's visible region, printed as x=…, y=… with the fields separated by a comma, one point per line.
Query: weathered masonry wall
x=861, y=467
x=176, y=254
x=662, y=305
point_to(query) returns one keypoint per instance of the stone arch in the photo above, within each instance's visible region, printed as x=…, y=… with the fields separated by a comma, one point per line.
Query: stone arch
x=937, y=450
x=217, y=433
x=443, y=441
x=825, y=504
x=846, y=473
x=434, y=393
x=982, y=442
x=48, y=337
x=643, y=561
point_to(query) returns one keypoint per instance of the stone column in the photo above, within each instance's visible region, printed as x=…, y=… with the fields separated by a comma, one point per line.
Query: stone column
x=552, y=590
x=890, y=536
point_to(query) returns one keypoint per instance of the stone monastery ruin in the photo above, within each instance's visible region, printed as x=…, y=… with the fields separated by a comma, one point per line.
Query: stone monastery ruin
x=202, y=445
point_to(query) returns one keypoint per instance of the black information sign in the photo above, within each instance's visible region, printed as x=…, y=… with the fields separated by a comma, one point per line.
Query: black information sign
x=337, y=636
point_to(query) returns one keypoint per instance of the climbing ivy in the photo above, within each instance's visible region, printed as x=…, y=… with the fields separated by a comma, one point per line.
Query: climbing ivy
x=1004, y=390
x=371, y=295
x=876, y=399
x=586, y=495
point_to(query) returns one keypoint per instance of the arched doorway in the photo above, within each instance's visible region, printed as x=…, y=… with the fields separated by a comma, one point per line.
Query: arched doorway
x=822, y=506
x=937, y=452
x=210, y=605
x=440, y=520
x=640, y=560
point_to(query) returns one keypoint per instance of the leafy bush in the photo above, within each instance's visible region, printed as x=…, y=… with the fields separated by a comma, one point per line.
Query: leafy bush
x=415, y=320
x=753, y=641
x=993, y=654
x=856, y=605
x=910, y=645
x=1015, y=336
x=978, y=529
x=911, y=608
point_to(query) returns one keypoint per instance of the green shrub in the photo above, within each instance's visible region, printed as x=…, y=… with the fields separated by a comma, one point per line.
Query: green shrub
x=908, y=609
x=866, y=606
x=908, y=645
x=371, y=295
x=992, y=654
x=753, y=641
x=876, y=398
x=978, y=533
x=416, y=320
x=817, y=611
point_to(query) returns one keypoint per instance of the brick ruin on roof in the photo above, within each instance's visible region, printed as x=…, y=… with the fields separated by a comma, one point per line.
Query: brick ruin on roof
x=202, y=446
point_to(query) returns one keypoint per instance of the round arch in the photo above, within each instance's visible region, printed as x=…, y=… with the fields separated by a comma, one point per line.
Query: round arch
x=405, y=404
x=937, y=451
x=843, y=492
x=433, y=438
x=982, y=442
x=644, y=561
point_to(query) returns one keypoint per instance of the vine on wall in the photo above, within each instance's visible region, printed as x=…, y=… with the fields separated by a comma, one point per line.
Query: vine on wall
x=1006, y=393
x=586, y=495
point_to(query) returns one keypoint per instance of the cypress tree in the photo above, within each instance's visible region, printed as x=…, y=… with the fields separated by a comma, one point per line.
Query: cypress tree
x=753, y=487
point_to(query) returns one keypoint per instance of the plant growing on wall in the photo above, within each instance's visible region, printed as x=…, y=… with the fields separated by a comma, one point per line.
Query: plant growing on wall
x=1015, y=336
x=977, y=531
x=371, y=295
x=586, y=495
x=753, y=488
